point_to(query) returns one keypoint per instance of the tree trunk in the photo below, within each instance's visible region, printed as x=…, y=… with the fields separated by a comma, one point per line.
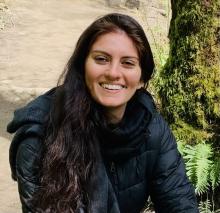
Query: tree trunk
x=190, y=81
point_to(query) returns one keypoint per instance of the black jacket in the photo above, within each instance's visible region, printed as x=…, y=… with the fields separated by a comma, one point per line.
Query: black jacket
x=140, y=156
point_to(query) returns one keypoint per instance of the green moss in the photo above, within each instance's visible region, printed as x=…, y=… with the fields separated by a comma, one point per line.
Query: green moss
x=189, y=134
x=188, y=86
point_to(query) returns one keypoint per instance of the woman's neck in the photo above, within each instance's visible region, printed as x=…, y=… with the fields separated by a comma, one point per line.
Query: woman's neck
x=115, y=115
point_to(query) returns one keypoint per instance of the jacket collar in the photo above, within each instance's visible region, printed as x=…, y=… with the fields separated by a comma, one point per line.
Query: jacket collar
x=122, y=141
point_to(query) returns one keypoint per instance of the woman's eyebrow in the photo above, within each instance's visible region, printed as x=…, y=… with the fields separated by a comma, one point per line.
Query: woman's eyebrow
x=101, y=51
x=131, y=57
x=105, y=53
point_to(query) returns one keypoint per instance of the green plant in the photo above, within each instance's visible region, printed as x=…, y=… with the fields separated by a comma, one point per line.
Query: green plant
x=202, y=165
x=198, y=164
x=158, y=38
x=215, y=173
x=206, y=206
x=203, y=169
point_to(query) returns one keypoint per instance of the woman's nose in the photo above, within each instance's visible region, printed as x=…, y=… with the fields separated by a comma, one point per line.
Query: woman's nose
x=114, y=71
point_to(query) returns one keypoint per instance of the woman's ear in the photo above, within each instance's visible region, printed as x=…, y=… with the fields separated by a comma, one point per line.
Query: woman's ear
x=140, y=85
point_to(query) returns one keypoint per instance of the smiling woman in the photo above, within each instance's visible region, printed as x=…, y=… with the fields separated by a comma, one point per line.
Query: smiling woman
x=113, y=73
x=96, y=143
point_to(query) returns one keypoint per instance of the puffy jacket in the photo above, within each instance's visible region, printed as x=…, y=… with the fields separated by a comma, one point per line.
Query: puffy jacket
x=140, y=155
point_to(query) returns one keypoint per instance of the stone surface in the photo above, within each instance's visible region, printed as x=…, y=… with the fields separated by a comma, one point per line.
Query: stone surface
x=132, y=4
x=9, y=202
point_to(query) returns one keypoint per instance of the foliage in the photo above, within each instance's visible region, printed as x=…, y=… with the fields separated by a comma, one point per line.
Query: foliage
x=205, y=207
x=185, y=132
x=203, y=169
x=189, y=84
x=215, y=173
x=198, y=164
x=158, y=39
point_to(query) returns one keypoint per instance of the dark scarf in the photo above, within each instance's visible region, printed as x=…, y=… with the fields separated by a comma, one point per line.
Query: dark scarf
x=117, y=143
x=102, y=195
x=123, y=140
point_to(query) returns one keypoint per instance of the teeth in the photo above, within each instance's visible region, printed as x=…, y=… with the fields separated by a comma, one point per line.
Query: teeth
x=111, y=86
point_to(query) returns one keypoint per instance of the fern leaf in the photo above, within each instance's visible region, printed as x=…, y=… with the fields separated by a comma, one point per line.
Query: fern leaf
x=202, y=167
x=202, y=175
x=189, y=155
x=215, y=173
x=180, y=146
x=198, y=165
x=205, y=207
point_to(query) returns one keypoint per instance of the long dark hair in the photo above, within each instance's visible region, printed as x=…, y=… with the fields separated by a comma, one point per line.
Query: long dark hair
x=71, y=145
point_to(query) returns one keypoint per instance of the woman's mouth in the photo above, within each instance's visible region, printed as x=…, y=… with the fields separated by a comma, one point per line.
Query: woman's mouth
x=112, y=86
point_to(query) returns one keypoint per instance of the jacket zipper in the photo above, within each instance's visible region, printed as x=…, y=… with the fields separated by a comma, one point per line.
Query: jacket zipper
x=114, y=172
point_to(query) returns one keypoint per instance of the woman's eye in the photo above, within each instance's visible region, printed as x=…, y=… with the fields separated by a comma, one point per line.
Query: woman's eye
x=101, y=59
x=129, y=63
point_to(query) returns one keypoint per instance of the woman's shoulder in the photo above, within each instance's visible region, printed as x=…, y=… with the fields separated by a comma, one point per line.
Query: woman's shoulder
x=146, y=99
x=35, y=112
x=158, y=128
x=148, y=102
x=28, y=125
x=29, y=152
x=25, y=155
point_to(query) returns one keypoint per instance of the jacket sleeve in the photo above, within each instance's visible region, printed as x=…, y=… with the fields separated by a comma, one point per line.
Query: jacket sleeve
x=27, y=169
x=171, y=191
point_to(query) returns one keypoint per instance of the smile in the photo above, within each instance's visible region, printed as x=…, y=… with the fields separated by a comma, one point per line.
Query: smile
x=112, y=86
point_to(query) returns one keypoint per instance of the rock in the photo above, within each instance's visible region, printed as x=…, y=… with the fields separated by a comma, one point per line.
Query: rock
x=132, y=4
x=15, y=94
x=114, y=3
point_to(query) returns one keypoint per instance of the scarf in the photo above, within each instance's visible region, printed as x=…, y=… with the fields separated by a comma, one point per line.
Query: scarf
x=118, y=142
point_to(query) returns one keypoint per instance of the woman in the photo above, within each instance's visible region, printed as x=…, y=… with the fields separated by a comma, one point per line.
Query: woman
x=96, y=142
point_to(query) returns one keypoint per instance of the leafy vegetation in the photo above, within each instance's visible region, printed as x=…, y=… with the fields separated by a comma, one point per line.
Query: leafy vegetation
x=203, y=169
x=205, y=207
x=188, y=87
x=203, y=166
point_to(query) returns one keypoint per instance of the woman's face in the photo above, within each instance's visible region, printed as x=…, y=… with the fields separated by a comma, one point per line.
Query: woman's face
x=112, y=72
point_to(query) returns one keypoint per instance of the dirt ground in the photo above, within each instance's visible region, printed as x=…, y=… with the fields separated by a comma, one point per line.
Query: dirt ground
x=36, y=42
